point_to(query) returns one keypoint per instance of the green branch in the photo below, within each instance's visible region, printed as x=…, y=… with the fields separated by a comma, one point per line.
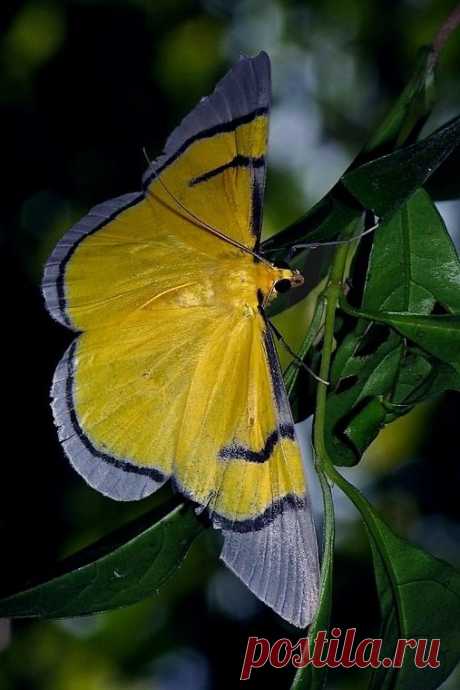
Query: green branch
x=331, y=296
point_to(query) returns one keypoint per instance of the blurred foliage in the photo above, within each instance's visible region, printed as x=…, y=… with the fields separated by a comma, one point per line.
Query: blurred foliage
x=84, y=86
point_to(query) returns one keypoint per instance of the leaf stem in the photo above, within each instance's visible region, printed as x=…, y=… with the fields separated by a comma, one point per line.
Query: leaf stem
x=451, y=23
x=331, y=295
x=306, y=677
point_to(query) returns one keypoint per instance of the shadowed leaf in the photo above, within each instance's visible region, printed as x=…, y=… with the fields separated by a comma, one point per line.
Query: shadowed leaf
x=408, y=578
x=386, y=183
x=437, y=335
x=413, y=267
x=113, y=573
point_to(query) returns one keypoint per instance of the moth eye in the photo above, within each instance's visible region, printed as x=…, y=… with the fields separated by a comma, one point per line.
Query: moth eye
x=282, y=285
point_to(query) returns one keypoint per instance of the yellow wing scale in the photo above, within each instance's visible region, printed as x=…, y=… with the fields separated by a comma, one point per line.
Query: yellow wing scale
x=202, y=381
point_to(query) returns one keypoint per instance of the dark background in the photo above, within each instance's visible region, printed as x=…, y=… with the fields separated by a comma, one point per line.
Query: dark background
x=84, y=85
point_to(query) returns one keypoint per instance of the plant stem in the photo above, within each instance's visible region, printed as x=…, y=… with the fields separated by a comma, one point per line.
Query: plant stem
x=307, y=677
x=326, y=469
x=450, y=24
x=331, y=295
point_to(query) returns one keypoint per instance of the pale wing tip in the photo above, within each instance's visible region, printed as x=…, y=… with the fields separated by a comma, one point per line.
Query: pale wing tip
x=262, y=58
x=244, y=88
x=279, y=564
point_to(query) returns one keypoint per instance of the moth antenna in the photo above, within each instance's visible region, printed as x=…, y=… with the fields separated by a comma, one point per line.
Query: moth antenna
x=333, y=243
x=146, y=156
x=297, y=359
x=210, y=228
x=268, y=296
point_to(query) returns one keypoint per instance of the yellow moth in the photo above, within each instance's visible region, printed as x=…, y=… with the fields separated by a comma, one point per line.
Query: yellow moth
x=173, y=374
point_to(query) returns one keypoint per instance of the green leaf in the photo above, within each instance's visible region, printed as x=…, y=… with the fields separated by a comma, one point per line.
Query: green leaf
x=413, y=263
x=307, y=677
x=437, y=334
x=406, y=578
x=365, y=425
x=413, y=267
x=385, y=183
x=113, y=573
x=382, y=185
x=414, y=576
x=443, y=378
x=421, y=379
x=355, y=380
x=412, y=383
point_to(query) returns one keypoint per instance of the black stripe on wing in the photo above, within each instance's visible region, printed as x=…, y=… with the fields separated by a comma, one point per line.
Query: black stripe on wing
x=258, y=188
x=206, y=133
x=279, y=390
x=275, y=509
x=237, y=162
x=236, y=451
x=243, y=95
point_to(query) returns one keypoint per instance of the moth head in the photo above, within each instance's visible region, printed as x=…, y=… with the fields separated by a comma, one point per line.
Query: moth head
x=288, y=279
